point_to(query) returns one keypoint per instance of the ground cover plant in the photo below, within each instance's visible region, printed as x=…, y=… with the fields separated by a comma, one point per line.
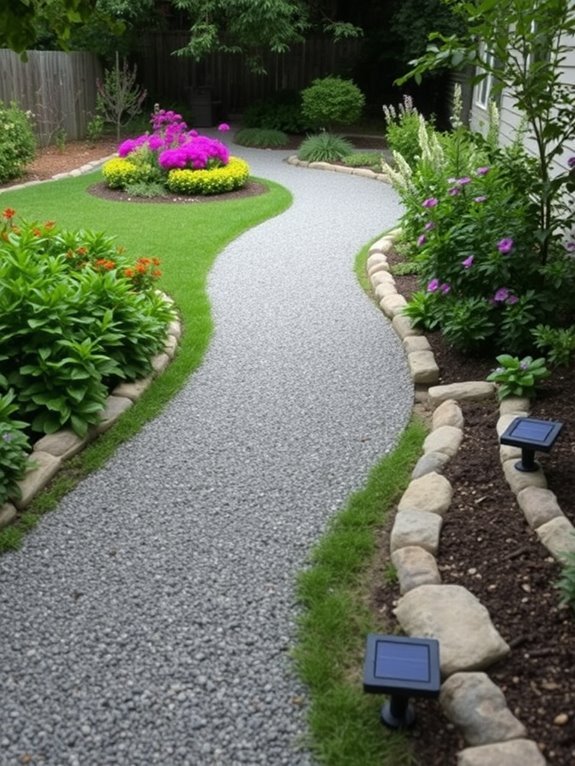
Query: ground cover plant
x=180, y=160
x=261, y=138
x=186, y=238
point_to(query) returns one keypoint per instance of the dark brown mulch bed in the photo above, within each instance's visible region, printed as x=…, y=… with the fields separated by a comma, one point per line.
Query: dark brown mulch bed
x=487, y=547
x=251, y=189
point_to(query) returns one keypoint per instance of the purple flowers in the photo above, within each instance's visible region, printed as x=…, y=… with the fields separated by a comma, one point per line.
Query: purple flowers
x=504, y=295
x=429, y=226
x=454, y=191
x=196, y=153
x=505, y=245
x=421, y=240
x=480, y=199
x=431, y=202
x=223, y=127
x=570, y=247
x=463, y=181
x=468, y=262
x=571, y=163
x=483, y=171
x=434, y=285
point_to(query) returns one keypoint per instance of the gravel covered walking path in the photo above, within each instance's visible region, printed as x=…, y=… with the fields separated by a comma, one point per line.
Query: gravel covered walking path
x=148, y=619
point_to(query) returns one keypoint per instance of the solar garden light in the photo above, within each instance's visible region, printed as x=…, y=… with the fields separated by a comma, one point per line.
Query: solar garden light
x=531, y=434
x=403, y=668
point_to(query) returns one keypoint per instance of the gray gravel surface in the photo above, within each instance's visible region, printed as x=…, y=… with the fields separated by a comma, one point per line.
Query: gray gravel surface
x=148, y=620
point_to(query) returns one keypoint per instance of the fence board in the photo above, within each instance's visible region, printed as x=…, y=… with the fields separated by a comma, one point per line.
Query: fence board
x=58, y=88
x=171, y=78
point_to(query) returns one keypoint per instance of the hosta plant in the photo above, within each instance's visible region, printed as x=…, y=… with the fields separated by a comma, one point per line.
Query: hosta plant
x=518, y=377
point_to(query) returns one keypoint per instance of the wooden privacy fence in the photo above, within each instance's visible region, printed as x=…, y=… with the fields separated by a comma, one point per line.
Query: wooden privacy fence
x=58, y=88
x=171, y=78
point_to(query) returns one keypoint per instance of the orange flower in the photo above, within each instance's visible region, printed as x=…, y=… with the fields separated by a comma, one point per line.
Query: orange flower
x=129, y=273
x=49, y=225
x=104, y=263
x=156, y=273
x=8, y=213
x=156, y=261
x=81, y=250
x=36, y=232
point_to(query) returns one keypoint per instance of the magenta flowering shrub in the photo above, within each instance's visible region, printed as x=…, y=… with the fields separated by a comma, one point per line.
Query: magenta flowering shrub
x=171, y=146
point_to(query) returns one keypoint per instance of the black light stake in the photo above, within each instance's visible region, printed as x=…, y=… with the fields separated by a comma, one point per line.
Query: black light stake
x=403, y=668
x=531, y=434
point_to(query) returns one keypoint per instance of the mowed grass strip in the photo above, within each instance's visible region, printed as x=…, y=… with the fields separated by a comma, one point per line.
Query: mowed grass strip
x=334, y=592
x=186, y=238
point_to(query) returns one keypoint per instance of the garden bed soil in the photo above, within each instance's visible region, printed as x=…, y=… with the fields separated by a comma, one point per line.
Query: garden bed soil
x=486, y=546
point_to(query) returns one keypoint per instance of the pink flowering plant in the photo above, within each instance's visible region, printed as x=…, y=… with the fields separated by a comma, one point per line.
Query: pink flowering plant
x=170, y=146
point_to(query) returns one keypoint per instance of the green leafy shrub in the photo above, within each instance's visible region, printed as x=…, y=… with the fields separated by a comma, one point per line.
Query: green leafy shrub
x=76, y=316
x=232, y=176
x=261, y=138
x=14, y=449
x=324, y=147
x=485, y=266
x=331, y=101
x=17, y=142
x=557, y=343
x=518, y=377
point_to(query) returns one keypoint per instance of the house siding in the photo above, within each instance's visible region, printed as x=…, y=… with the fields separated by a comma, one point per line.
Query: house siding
x=510, y=116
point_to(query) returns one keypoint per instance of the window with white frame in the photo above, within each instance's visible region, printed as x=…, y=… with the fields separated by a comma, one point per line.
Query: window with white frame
x=483, y=88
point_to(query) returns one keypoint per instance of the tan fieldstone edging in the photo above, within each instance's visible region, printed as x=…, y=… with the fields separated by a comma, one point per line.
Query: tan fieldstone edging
x=468, y=639
x=363, y=172
x=50, y=451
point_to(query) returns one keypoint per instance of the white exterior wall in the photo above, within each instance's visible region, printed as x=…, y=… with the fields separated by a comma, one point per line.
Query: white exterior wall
x=510, y=117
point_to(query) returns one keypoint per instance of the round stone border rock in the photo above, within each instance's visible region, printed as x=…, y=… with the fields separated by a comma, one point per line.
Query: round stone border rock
x=363, y=172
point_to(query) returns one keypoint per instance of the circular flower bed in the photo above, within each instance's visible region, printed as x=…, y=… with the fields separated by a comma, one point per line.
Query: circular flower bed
x=175, y=159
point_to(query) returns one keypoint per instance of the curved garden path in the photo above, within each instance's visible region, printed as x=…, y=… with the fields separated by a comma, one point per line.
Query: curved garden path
x=148, y=619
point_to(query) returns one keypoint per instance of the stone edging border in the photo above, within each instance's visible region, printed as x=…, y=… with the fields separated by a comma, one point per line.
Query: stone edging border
x=469, y=699
x=363, y=172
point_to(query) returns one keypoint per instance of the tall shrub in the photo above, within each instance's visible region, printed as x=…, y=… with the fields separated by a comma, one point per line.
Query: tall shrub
x=17, y=142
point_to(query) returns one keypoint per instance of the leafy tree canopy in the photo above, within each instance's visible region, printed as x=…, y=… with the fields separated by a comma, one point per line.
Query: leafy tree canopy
x=245, y=26
x=18, y=20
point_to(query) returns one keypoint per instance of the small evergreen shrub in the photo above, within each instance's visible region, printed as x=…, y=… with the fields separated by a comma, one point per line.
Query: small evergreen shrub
x=17, y=142
x=331, y=101
x=217, y=181
x=324, y=147
x=261, y=138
